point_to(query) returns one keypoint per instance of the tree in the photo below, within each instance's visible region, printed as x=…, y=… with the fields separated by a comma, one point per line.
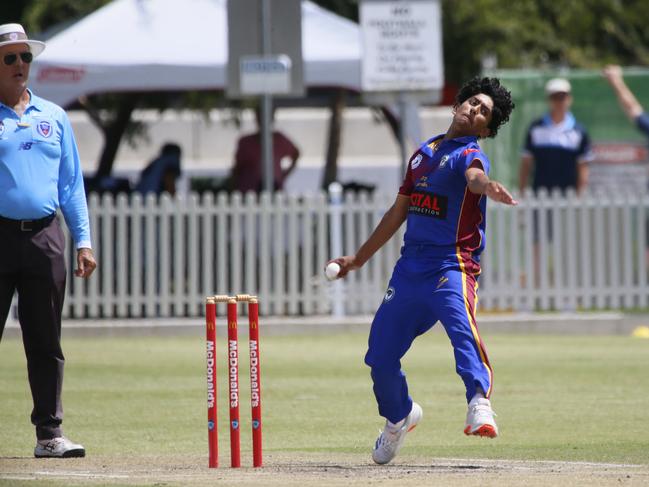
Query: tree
x=42, y=15
x=111, y=113
x=542, y=33
x=13, y=12
x=344, y=8
x=114, y=120
x=535, y=33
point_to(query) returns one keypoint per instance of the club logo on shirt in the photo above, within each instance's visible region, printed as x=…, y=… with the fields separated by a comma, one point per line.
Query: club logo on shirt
x=389, y=294
x=2, y=127
x=428, y=204
x=416, y=161
x=44, y=128
x=443, y=162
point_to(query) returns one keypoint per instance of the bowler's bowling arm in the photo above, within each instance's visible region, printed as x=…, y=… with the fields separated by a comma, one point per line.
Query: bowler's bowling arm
x=386, y=228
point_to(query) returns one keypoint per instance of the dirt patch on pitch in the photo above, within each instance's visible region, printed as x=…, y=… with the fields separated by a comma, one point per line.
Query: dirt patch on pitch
x=315, y=470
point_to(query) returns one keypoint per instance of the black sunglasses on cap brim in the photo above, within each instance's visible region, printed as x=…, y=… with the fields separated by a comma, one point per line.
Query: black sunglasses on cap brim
x=26, y=57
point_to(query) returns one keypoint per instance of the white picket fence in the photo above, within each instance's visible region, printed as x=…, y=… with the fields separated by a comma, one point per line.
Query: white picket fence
x=161, y=258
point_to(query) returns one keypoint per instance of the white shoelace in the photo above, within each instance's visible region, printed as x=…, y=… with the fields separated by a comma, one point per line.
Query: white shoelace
x=482, y=409
x=387, y=438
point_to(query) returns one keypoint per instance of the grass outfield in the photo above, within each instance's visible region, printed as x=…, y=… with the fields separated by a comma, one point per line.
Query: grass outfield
x=559, y=398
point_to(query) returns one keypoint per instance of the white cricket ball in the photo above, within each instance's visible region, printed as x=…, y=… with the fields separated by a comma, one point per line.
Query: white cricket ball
x=332, y=270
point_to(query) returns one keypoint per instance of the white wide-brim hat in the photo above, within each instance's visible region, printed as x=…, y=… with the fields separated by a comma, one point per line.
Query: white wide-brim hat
x=557, y=85
x=15, y=34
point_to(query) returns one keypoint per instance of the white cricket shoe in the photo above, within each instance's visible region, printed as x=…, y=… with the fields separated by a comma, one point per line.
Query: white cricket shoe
x=388, y=443
x=59, y=447
x=480, y=419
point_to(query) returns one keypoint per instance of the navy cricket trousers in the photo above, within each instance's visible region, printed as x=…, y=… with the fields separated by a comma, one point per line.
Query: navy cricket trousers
x=427, y=286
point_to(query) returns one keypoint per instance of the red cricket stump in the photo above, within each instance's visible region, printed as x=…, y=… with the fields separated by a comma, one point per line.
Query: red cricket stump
x=212, y=422
x=255, y=381
x=233, y=376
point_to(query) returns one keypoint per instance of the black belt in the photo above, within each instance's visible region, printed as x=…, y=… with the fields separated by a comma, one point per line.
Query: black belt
x=27, y=225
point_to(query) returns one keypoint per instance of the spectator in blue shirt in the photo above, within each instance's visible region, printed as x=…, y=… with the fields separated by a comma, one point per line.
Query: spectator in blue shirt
x=557, y=147
x=557, y=151
x=628, y=101
x=40, y=172
x=161, y=173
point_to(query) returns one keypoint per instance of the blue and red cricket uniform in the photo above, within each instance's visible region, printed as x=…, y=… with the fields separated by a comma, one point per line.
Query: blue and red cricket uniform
x=436, y=277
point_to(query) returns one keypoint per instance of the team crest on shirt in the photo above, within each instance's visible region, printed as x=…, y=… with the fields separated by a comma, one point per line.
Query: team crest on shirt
x=416, y=161
x=443, y=162
x=389, y=294
x=44, y=128
x=423, y=182
x=2, y=127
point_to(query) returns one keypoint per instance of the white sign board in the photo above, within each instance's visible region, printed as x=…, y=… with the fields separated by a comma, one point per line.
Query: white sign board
x=402, y=45
x=269, y=75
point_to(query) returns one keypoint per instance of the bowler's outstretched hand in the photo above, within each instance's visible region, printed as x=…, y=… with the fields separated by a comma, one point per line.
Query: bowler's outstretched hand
x=498, y=192
x=479, y=183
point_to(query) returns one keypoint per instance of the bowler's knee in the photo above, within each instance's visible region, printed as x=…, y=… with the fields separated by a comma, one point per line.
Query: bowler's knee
x=381, y=366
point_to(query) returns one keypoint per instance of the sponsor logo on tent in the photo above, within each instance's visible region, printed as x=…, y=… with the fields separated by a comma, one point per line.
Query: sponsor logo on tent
x=54, y=74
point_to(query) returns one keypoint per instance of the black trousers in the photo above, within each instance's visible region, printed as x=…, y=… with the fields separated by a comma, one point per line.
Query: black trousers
x=32, y=262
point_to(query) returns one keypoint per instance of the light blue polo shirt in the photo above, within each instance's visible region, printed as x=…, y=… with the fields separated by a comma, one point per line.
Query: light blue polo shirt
x=40, y=169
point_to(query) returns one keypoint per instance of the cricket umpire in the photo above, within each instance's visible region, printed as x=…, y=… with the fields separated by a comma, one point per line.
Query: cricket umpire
x=40, y=172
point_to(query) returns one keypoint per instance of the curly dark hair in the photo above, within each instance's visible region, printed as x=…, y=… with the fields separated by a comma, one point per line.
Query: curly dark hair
x=502, y=98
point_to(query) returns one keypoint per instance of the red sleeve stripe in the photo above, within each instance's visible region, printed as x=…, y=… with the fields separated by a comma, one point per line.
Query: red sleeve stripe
x=408, y=184
x=468, y=233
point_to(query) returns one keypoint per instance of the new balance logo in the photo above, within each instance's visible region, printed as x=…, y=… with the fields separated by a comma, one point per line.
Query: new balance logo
x=25, y=145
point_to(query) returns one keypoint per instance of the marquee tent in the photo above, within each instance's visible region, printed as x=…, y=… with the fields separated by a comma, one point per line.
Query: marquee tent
x=166, y=45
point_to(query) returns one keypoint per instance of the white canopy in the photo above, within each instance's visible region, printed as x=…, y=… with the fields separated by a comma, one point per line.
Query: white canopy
x=135, y=45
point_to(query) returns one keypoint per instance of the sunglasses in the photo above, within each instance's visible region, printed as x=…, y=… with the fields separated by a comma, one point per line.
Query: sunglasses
x=560, y=96
x=26, y=57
